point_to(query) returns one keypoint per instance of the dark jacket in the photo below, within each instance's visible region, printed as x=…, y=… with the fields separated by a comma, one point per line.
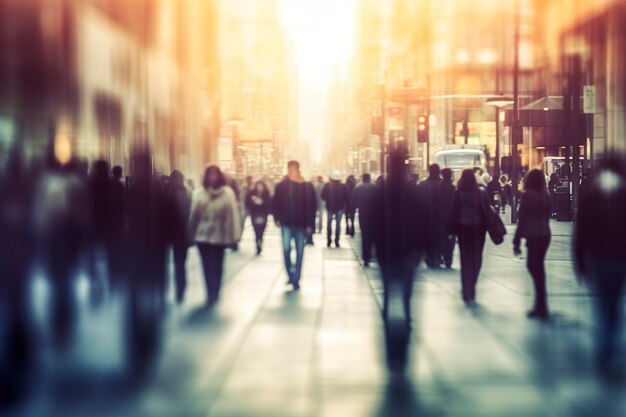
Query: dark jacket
x=294, y=204
x=398, y=221
x=427, y=190
x=335, y=195
x=350, y=187
x=179, y=204
x=600, y=229
x=444, y=195
x=494, y=187
x=534, y=216
x=468, y=209
x=362, y=197
x=257, y=208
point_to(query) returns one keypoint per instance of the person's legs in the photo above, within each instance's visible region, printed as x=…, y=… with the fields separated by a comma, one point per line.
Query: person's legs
x=366, y=243
x=609, y=287
x=216, y=258
x=477, y=253
x=299, y=237
x=447, y=246
x=467, y=260
x=338, y=217
x=205, y=258
x=537, y=248
x=329, y=227
x=180, y=257
x=287, y=236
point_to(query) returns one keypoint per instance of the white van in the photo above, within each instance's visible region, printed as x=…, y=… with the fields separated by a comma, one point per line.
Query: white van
x=458, y=159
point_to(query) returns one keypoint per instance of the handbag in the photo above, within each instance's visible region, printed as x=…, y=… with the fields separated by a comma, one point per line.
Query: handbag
x=495, y=226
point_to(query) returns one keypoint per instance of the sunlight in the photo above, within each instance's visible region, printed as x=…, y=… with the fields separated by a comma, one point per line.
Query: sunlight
x=322, y=32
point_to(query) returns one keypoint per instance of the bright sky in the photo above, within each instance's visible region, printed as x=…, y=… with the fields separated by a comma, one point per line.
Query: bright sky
x=323, y=33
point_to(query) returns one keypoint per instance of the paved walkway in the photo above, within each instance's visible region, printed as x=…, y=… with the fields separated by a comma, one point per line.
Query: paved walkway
x=265, y=350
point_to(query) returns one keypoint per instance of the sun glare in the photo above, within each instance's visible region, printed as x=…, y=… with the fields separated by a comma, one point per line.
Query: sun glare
x=322, y=32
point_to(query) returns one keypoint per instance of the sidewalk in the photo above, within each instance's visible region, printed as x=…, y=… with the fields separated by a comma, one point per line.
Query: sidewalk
x=265, y=350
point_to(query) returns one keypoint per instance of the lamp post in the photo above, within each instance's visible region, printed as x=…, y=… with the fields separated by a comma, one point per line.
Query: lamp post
x=498, y=102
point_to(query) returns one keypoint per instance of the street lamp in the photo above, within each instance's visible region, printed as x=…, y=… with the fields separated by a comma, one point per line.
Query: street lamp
x=498, y=102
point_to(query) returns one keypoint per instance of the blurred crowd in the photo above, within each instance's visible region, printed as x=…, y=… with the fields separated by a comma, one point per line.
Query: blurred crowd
x=120, y=229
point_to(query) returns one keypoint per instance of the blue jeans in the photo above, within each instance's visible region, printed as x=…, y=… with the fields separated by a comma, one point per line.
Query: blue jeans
x=298, y=235
x=337, y=215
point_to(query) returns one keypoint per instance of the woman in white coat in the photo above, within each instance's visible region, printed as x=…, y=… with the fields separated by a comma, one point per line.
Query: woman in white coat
x=214, y=225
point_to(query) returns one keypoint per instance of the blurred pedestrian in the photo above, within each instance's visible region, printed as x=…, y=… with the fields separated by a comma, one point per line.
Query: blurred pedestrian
x=362, y=201
x=468, y=223
x=180, y=205
x=534, y=226
x=258, y=205
x=494, y=188
x=350, y=210
x=507, y=193
x=335, y=196
x=427, y=189
x=118, y=220
x=444, y=196
x=294, y=207
x=16, y=253
x=398, y=222
x=599, y=251
x=214, y=225
x=319, y=213
x=62, y=221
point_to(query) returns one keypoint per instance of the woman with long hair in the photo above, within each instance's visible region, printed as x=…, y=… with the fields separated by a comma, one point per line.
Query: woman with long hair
x=214, y=225
x=258, y=205
x=468, y=223
x=534, y=226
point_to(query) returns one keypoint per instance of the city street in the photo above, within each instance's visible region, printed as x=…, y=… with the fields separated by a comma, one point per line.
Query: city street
x=265, y=350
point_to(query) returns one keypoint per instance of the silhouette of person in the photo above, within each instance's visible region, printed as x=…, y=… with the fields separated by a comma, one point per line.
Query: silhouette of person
x=214, y=225
x=350, y=209
x=180, y=202
x=428, y=189
x=294, y=207
x=258, y=203
x=444, y=193
x=362, y=201
x=599, y=251
x=534, y=226
x=468, y=223
x=335, y=196
x=397, y=220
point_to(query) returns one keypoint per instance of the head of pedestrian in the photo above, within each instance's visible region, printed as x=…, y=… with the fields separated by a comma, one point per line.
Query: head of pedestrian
x=260, y=188
x=434, y=171
x=117, y=172
x=100, y=169
x=414, y=178
x=478, y=171
x=293, y=171
x=446, y=174
x=249, y=181
x=320, y=179
x=213, y=178
x=366, y=177
x=177, y=177
x=335, y=176
x=468, y=182
x=535, y=181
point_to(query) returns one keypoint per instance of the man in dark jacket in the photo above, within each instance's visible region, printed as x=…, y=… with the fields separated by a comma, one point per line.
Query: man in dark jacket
x=599, y=251
x=179, y=198
x=427, y=189
x=444, y=195
x=397, y=222
x=294, y=207
x=361, y=201
x=335, y=195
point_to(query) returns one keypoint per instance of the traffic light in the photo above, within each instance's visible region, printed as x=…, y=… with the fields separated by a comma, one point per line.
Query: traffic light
x=422, y=128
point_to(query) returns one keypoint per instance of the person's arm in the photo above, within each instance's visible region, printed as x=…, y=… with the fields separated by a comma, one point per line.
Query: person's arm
x=311, y=207
x=277, y=204
x=521, y=224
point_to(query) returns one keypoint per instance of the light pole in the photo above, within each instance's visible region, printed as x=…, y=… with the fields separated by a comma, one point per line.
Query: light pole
x=516, y=122
x=498, y=102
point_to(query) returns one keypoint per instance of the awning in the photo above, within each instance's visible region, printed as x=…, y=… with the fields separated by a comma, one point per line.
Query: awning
x=545, y=112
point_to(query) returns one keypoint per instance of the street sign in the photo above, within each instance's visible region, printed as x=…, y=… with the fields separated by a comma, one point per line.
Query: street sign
x=589, y=99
